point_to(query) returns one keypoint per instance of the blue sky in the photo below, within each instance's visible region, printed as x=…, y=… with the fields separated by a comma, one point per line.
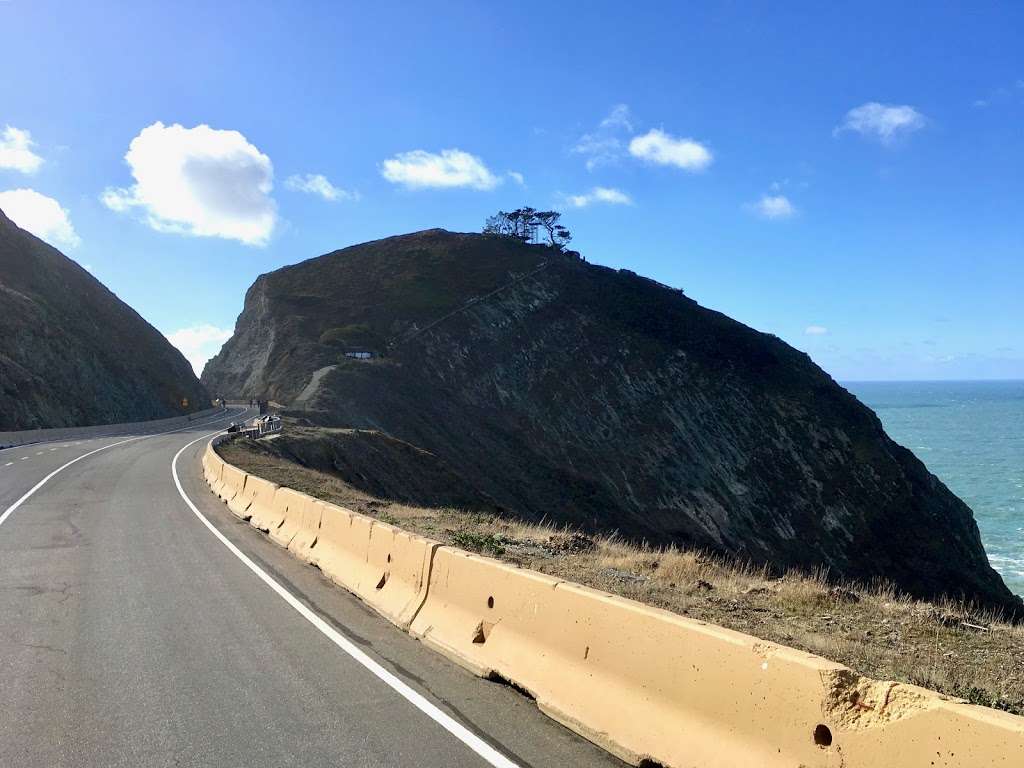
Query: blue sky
x=850, y=180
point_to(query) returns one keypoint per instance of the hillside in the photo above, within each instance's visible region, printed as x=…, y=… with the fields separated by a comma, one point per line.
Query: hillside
x=593, y=397
x=942, y=645
x=72, y=353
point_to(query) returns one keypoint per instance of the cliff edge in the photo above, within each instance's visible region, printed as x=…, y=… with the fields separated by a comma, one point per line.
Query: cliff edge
x=580, y=394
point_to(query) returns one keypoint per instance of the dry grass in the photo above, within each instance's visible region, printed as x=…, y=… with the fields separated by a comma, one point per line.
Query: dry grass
x=946, y=646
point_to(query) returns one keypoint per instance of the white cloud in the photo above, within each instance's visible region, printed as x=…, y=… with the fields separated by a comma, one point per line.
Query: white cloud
x=815, y=330
x=600, y=150
x=40, y=215
x=420, y=169
x=199, y=181
x=656, y=146
x=517, y=177
x=885, y=122
x=774, y=207
x=16, y=151
x=199, y=343
x=607, y=195
x=619, y=117
x=317, y=184
x=603, y=146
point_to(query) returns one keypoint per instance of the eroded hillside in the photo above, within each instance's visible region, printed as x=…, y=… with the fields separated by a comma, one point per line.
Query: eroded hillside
x=594, y=397
x=72, y=353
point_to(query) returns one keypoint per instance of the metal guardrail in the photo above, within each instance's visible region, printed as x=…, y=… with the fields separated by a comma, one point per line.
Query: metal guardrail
x=30, y=436
x=264, y=425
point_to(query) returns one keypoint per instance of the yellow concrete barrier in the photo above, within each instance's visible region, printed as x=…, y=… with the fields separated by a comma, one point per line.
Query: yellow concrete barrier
x=211, y=471
x=214, y=466
x=649, y=685
x=210, y=456
x=399, y=572
x=342, y=549
x=264, y=515
x=306, y=537
x=232, y=481
x=255, y=497
x=288, y=506
x=211, y=467
x=331, y=552
x=383, y=565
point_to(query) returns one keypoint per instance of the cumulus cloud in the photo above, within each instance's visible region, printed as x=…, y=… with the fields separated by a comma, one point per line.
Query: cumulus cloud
x=661, y=148
x=815, y=330
x=199, y=181
x=607, y=195
x=16, y=151
x=41, y=215
x=199, y=343
x=450, y=168
x=317, y=184
x=517, y=177
x=884, y=122
x=774, y=207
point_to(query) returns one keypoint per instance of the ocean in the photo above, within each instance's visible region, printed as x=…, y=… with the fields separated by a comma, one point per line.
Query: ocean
x=971, y=435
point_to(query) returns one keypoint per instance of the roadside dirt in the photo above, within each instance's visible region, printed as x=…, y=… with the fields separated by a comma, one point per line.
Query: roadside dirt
x=874, y=630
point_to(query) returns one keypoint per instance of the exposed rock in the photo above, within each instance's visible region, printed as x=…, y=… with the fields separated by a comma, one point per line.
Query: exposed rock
x=594, y=397
x=72, y=353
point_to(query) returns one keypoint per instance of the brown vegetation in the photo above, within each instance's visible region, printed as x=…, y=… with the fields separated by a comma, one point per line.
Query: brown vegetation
x=947, y=646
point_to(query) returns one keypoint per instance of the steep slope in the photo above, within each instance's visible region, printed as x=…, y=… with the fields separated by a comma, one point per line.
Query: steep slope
x=72, y=353
x=599, y=398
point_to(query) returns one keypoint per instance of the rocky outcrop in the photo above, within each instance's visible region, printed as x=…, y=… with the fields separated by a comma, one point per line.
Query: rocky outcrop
x=598, y=398
x=72, y=353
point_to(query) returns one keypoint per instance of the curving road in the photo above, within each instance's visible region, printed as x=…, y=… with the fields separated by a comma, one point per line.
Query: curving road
x=133, y=633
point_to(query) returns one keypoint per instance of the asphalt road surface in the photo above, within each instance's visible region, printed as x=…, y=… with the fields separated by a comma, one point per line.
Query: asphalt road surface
x=132, y=634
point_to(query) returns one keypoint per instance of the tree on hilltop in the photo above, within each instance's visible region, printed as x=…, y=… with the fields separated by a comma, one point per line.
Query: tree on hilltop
x=522, y=225
x=558, y=235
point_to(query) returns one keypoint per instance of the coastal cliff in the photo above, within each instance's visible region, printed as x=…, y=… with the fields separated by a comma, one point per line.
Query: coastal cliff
x=594, y=397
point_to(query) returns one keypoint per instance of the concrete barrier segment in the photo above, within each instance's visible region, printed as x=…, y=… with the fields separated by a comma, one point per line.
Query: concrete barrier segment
x=287, y=508
x=308, y=533
x=232, y=483
x=255, y=498
x=651, y=687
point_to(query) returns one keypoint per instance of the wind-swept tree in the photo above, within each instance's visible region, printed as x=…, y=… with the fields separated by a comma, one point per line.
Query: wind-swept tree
x=558, y=236
x=522, y=224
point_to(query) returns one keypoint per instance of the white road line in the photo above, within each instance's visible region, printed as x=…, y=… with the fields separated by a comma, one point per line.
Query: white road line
x=10, y=510
x=458, y=730
x=8, y=463
x=24, y=458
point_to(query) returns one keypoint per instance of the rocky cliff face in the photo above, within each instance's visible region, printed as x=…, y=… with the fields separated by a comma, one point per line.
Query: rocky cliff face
x=72, y=353
x=596, y=397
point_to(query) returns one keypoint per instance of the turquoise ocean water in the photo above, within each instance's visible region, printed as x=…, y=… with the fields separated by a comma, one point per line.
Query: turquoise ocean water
x=971, y=435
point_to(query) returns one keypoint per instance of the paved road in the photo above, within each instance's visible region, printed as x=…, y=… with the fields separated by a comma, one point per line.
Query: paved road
x=131, y=635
